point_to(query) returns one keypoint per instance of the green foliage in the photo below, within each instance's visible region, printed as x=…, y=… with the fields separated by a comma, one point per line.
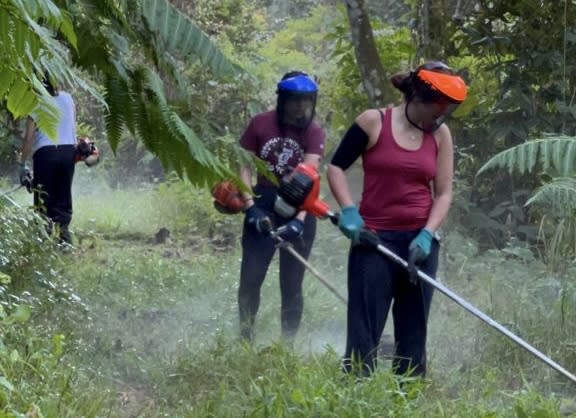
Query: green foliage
x=395, y=49
x=525, y=46
x=180, y=36
x=158, y=327
x=117, y=41
x=556, y=198
x=24, y=243
x=27, y=49
x=556, y=154
x=36, y=378
x=559, y=193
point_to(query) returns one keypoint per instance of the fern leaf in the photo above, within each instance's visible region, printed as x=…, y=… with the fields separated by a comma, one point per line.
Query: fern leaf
x=559, y=194
x=116, y=98
x=183, y=38
x=555, y=152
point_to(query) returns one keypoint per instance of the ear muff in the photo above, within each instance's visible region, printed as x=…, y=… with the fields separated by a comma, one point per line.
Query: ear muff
x=227, y=198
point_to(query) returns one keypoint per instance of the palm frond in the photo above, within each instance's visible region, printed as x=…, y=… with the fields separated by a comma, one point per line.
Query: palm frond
x=558, y=152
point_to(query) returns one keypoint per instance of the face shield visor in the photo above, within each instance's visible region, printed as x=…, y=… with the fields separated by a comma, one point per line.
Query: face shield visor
x=438, y=92
x=296, y=101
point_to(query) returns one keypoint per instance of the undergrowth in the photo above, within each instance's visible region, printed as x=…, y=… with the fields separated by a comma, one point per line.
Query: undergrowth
x=128, y=326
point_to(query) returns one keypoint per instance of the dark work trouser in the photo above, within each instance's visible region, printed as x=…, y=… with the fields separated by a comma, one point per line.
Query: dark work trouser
x=374, y=282
x=53, y=167
x=257, y=253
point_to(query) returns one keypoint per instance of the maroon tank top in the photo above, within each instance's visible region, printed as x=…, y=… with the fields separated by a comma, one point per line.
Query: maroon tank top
x=397, y=192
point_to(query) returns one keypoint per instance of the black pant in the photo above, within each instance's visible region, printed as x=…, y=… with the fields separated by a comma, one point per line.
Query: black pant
x=374, y=281
x=53, y=167
x=257, y=253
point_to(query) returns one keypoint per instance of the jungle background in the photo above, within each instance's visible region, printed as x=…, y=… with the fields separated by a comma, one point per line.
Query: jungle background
x=140, y=319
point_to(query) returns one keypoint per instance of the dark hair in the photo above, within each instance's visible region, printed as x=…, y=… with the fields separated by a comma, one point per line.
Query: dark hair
x=293, y=73
x=403, y=82
x=48, y=84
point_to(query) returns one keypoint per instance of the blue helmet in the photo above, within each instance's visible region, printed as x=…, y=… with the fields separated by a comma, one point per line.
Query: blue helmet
x=298, y=84
x=296, y=103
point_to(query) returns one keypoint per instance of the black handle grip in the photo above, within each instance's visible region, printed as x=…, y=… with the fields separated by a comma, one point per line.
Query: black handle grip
x=334, y=217
x=369, y=238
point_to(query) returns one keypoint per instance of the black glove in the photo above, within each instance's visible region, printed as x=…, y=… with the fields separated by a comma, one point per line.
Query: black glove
x=259, y=220
x=292, y=230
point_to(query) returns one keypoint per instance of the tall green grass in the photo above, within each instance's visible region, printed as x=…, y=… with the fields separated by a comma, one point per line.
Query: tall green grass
x=155, y=334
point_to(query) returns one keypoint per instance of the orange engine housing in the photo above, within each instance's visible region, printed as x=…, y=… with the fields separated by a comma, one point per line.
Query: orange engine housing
x=227, y=198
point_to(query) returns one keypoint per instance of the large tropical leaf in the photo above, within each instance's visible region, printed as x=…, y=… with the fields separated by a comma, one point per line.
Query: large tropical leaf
x=557, y=153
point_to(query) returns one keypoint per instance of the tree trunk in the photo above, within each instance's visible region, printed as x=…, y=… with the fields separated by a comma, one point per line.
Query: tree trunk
x=374, y=79
x=432, y=26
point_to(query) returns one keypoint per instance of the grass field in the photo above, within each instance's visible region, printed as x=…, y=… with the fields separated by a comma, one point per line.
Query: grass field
x=149, y=329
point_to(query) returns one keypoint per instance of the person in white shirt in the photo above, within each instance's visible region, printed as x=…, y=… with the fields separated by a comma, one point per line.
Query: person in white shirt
x=53, y=163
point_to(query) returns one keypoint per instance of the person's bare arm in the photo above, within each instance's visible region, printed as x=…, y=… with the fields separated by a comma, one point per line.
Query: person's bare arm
x=443, y=180
x=246, y=177
x=27, y=140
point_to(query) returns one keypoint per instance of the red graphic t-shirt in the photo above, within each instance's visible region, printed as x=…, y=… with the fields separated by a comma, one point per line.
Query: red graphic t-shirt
x=283, y=149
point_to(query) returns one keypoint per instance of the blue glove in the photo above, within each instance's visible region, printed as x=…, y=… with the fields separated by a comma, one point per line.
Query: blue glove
x=259, y=220
x=291, y=230
x=350, y=222
x=419, y=250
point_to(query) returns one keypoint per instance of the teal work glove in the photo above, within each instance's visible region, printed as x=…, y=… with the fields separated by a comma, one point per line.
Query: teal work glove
x=350, y=222
x=419, y=250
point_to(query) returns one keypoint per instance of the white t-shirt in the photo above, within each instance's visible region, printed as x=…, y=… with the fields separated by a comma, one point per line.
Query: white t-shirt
x=66, y=127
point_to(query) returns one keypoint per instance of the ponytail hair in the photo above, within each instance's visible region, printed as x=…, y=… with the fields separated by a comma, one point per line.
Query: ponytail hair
x=49, y=85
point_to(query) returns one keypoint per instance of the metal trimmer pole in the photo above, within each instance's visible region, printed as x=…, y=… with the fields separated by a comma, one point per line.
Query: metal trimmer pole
x=474, y=311
x=463, y=303
x=288, y=247
x=6, y=195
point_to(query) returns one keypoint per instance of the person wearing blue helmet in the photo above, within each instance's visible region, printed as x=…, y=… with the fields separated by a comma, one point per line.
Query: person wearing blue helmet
x=282, y=138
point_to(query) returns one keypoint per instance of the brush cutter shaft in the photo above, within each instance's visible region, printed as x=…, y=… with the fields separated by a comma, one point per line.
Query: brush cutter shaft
x=274, y=233
x=6, y=195
x=12, y=190
x=474, y=311
x=306, y=198
x=288, y=247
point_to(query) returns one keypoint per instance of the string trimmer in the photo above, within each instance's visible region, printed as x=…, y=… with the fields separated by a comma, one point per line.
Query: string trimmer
x=300, y=190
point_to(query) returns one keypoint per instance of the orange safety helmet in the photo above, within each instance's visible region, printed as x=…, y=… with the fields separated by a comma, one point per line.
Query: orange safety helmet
x=227, y=198
x=435, y=80
x=433, y=83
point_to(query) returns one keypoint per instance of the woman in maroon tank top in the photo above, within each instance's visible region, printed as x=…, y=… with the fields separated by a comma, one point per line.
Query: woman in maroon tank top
x=407, y=162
